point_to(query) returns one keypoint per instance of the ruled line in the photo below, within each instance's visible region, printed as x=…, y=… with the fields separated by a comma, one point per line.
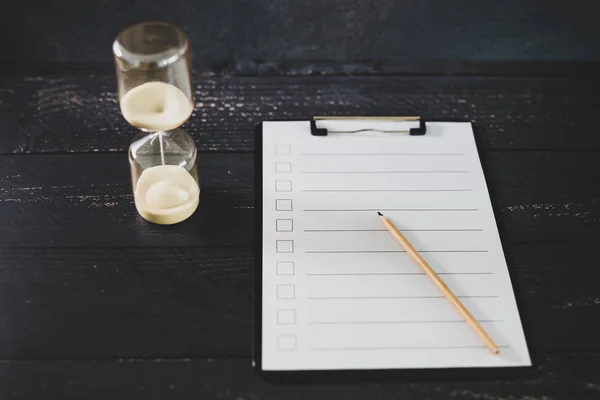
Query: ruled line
x=383, y=154
x=387, y=190
x=400, y=273
x=399, y=297
x=392, y=251
x=385, y=230
x=403, y=348
x=385, y=172
x=393, y=209
x=458, y=321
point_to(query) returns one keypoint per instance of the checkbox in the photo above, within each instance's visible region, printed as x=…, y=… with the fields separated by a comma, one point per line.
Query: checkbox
x=283, y=149
x=284, y=225
x=285, y=268
x=286, y=342
x=286, y=292
x=285, y=246
x=283, y=186
x=283, y=205
x=286, y=317
x=283, y=167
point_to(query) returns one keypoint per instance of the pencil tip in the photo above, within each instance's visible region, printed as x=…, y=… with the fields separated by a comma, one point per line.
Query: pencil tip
x=380, y=214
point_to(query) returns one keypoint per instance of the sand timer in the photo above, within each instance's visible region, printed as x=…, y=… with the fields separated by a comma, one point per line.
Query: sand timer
x=153, y=65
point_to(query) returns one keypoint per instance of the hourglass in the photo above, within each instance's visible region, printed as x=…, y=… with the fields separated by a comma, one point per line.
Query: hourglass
x=153, y=66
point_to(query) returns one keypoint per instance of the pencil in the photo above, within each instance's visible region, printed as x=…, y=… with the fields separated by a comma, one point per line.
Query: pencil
x=462, y=310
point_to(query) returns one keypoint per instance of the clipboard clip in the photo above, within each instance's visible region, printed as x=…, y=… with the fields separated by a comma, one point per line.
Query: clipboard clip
x=420, y=131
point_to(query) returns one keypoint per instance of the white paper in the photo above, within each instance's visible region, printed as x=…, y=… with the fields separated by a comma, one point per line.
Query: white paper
x=339, y=292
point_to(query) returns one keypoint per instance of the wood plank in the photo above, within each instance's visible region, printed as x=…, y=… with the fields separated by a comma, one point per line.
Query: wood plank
x=382, y=32
x=86, y=200
x=80, y=113
x=295, y=68
x=139, y=302
x=167, y=302
x=569, y=376
x=77, y=200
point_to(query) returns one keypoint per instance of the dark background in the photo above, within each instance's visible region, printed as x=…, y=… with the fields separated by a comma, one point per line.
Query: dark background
x=307, y=36
x=95, y=303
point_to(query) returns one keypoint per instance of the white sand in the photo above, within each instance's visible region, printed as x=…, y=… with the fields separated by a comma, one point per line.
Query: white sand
x=166, y=194
x=156, y=106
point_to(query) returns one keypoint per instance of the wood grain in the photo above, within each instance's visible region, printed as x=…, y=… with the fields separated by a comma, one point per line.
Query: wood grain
x=166, y=312
x=86, y=200
x=169, y=302
x=80, y=113
x=231, y=35
x=132, y=302
x=565, y=376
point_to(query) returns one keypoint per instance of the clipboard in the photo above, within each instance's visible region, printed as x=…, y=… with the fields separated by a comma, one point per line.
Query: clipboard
x=418, y=127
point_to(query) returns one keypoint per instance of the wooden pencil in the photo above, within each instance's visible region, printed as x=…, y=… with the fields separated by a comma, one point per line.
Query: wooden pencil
x=462, y=310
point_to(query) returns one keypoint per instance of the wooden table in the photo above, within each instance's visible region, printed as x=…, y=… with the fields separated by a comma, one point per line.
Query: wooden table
x=95, y=303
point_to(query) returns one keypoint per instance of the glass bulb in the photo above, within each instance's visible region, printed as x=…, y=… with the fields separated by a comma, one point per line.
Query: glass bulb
x=153, y=66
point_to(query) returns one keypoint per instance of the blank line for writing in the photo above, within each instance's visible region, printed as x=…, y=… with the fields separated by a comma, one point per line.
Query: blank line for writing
x=402, y=348
x=392, y=251
x=385, y=172
x=387, y=190
x=395, y=209
x=383, y=154
x=459, y=321
x=402, y=273
x=385, y=230
x=397, y=297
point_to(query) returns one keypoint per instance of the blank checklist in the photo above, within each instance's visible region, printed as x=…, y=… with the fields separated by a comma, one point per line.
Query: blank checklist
x=283, y=186
x=285, y=268
x=286, y=292
x=285, y=225
x=283, y=167
x=285, y=246
x=283, y=205
x=338, y=292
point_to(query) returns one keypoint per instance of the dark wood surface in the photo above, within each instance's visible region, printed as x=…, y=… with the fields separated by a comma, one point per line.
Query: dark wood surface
x=95, y=303
x=80, y=113
x=308, y=36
